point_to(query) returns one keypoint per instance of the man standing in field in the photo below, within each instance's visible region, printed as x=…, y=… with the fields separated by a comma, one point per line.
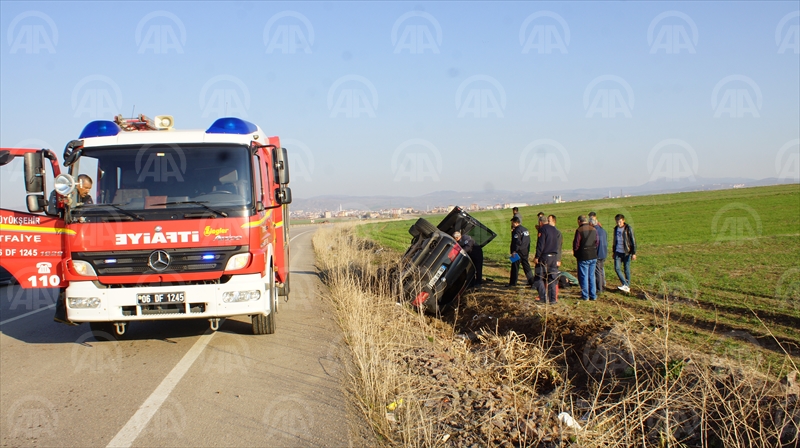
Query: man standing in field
x=624, y=251
x=515, y=210
x=520, y=246
x=546, y=261
x=584, y=248
x=602, y=253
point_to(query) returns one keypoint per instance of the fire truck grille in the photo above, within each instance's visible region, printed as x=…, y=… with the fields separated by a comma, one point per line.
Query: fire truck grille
x=136, y=262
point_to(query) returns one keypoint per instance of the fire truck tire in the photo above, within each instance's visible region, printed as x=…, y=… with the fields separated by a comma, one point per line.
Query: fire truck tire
x=424, y=227
x=104, y=331
x=266, y=324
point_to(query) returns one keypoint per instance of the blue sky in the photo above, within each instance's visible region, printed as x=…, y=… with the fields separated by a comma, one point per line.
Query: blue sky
x=541, y=115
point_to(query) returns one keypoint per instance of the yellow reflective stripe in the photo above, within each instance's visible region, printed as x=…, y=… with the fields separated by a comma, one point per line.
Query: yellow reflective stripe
x=34, y=229
x=279, y=224
x=257, y=223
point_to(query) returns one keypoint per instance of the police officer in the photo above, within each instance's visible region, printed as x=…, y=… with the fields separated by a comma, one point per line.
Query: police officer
x=521, y=246
x=547, y=260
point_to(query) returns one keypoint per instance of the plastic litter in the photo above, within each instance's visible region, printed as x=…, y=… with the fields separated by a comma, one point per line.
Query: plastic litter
x=567, y=420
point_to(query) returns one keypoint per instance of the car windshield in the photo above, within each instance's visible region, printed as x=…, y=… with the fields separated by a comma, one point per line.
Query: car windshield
x=152, y=177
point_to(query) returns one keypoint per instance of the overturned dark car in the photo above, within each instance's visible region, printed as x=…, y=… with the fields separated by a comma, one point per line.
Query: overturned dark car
x=434, y=271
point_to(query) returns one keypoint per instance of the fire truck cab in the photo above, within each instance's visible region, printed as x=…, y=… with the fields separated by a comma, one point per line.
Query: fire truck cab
x=154, y=223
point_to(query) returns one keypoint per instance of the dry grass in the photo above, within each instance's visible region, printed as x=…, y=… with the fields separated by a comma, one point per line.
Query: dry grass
x=422, y=384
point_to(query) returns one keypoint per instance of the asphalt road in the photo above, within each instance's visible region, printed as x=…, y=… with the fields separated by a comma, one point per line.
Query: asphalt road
x=177, y=383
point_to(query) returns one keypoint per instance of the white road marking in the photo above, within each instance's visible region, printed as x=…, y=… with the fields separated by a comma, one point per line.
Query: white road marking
x=302, y=233
x=128, y=434
x=27, y=314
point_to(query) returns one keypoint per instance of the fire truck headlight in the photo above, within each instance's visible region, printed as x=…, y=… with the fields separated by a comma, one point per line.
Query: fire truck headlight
x=64, y=184
x=83, y=268
x=84, y=302
x=240, y=296
x=237, y=261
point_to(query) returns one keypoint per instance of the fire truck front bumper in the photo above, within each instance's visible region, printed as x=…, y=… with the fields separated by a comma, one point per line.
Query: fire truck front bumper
x=241, y=295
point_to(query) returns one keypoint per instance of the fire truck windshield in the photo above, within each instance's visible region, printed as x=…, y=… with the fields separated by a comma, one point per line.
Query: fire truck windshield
x=175, y=176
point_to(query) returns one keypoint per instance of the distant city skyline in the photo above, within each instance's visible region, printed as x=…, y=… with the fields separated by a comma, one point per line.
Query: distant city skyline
x=411, y=98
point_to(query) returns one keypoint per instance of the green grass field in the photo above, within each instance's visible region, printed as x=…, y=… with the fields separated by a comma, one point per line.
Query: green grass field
x=723, y=257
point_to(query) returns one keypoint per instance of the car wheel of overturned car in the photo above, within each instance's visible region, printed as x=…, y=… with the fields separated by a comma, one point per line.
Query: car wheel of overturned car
x=424, y=228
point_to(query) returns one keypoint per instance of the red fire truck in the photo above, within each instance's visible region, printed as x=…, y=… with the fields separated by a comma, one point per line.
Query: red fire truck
x=154, y=223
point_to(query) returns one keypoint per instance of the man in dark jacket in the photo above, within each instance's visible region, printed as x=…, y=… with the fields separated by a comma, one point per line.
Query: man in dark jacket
x=546, y=261
x=520, y=246
x=584, y=247
x=602, y=253
x=624, y=251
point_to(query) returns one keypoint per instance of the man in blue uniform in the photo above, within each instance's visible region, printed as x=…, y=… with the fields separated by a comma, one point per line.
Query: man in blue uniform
x=546, y=260
x=520, y=246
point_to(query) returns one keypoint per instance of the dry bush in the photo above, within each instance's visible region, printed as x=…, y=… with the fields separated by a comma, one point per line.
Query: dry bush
x=627, y=386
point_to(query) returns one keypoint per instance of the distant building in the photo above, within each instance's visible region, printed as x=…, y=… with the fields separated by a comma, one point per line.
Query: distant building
x=327, y=215
x=557, y=199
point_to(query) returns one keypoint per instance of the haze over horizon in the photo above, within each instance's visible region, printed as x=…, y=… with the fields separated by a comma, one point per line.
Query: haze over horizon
x=404, y=99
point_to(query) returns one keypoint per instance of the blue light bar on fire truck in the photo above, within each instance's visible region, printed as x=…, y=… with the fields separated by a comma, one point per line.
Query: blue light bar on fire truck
x=100, y=128
x=232, y=125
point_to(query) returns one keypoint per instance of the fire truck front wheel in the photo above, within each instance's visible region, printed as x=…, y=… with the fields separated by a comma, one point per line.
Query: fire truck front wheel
x=266, y=324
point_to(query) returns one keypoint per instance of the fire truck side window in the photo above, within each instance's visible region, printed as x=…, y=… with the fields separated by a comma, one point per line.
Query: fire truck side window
x=257, y=176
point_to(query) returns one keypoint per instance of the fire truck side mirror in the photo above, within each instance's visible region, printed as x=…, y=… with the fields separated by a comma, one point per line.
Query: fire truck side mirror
x=283, y=195
x=35, y=203
x=34, y=173
x=282, y=165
